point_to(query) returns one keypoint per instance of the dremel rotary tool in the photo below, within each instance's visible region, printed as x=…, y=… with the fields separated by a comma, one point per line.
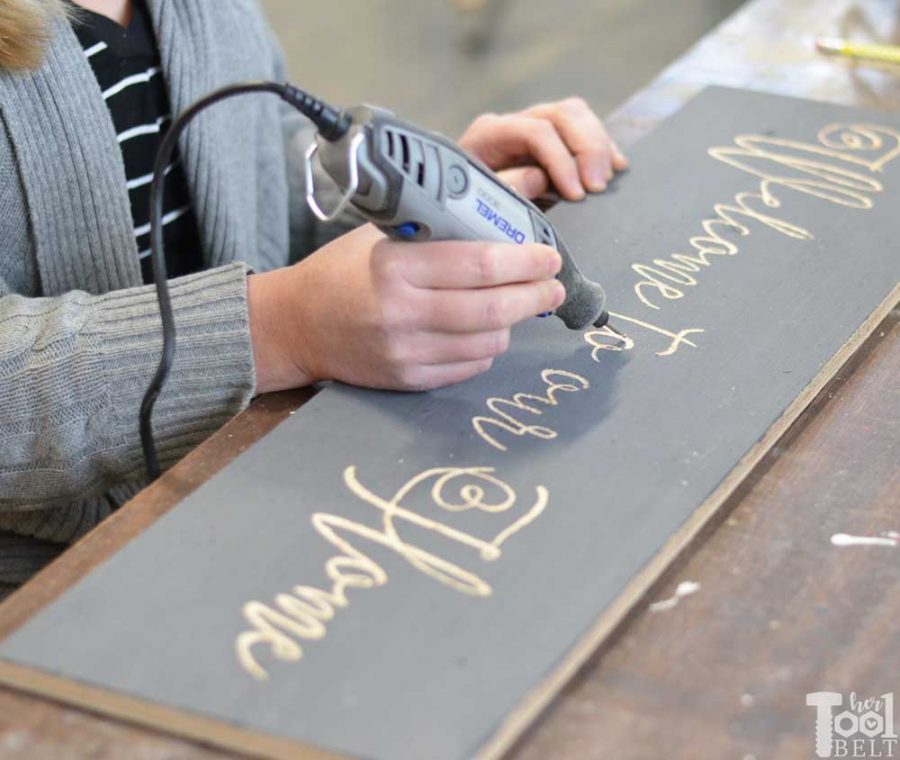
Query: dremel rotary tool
x=414, y=185
x=417, y=185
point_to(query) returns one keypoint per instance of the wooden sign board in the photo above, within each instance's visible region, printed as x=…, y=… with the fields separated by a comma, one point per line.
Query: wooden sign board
x=415, y=575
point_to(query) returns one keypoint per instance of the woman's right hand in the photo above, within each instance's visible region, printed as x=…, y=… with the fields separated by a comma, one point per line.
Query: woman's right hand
x=374, y=312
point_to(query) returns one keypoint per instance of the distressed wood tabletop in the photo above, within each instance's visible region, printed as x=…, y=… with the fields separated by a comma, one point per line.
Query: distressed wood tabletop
x=777, y=609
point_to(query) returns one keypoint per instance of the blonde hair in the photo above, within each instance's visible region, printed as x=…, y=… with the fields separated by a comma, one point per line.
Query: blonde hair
x=25, y=29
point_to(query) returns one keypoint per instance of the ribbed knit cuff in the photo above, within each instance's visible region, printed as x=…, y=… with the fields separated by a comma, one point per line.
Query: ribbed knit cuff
x=22, y=557
x=212, y=378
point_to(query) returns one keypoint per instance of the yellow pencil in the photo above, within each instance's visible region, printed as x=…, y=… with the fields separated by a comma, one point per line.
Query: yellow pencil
x=864, y=50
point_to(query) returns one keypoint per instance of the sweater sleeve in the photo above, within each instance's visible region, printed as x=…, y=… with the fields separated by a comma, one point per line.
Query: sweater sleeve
x=74, y=368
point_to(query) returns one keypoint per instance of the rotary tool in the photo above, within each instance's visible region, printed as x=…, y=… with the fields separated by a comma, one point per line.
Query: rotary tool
x=417, y=185
x=412, y=184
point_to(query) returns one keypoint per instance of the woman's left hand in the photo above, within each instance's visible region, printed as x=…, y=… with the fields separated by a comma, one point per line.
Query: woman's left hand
x=561, y=146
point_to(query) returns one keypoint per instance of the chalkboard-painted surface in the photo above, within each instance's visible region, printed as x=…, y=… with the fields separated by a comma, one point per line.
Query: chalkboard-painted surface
x=396, y=575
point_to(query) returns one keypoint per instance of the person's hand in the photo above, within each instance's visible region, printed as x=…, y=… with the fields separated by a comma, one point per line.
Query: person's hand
x=561, y=146
x=370, y=311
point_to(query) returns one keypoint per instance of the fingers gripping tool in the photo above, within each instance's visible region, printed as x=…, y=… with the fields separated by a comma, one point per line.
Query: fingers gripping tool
x=417, y=186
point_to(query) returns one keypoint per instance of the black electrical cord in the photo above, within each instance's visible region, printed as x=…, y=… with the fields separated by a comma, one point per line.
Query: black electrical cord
x=332, y=125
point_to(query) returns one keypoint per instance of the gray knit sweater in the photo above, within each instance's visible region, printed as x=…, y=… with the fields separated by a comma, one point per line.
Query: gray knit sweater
x=79, y=333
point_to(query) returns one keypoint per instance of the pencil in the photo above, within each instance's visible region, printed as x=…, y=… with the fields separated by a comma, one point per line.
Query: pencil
x=863, y=50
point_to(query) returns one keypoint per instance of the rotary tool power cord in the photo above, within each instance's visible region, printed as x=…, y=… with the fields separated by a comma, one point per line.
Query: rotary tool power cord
x=332, y=125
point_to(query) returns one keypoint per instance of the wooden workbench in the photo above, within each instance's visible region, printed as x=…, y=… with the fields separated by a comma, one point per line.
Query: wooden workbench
x=779, y=612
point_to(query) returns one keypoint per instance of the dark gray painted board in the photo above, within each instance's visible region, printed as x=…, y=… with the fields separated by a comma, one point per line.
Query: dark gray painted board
x=415, y=667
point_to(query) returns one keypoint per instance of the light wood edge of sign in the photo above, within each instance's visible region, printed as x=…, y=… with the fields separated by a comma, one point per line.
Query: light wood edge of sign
x=536, y=701
x=222, y=734
x=169, y=720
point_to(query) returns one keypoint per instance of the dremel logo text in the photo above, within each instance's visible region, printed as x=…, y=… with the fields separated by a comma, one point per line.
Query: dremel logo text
x=499, y=222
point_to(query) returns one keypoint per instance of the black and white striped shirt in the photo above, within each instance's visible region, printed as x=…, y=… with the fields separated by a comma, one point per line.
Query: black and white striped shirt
x=127, y=66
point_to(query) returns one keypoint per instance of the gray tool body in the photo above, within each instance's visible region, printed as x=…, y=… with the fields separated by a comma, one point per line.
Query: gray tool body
x=418, y=186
